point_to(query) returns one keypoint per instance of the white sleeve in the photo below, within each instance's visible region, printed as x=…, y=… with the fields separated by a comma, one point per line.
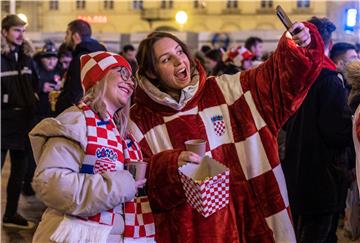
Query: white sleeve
x=60, y=186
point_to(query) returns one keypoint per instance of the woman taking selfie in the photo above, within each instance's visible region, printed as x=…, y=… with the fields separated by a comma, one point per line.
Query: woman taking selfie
x=239, y=116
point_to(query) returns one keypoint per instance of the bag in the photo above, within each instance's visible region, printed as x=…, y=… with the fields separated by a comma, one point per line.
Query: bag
x=352, y=212
x=139, y=221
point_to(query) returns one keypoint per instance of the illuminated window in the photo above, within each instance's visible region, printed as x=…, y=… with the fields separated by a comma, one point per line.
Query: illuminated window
x=231, y=4
x=303, y=3
x=54, y=4
x=267, y=4
x=351, y=15
x=108, y=4
x=138, y=4
x=80, y=4
x=167, y=4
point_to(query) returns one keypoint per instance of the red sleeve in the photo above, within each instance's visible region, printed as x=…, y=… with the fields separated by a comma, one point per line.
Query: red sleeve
x=279, y=85
x=164, y=185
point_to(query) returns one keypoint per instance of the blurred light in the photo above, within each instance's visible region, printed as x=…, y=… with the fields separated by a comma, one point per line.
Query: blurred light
x=351, y=17
x=181, y=17
x=98, y=19
x=23, y=17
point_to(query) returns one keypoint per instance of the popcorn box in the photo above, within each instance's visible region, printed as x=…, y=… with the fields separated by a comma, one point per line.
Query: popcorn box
x=206, y=185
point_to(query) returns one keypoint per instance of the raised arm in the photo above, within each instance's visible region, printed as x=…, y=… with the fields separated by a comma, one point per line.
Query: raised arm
x=279, y=85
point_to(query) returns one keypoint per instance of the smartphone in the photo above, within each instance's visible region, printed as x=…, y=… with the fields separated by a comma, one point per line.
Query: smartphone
x=285, y=20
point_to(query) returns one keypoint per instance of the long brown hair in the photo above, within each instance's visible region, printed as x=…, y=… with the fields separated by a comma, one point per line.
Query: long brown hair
x=146, y=55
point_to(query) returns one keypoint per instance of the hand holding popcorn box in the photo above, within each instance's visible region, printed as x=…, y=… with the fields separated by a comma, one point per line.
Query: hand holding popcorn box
x=206, y=185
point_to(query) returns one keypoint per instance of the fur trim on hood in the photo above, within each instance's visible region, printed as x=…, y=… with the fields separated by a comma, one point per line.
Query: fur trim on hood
x=147, y=94
x=27, y=46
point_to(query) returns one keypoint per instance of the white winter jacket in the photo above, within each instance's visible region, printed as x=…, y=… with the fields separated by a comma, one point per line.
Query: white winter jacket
x=58, y=146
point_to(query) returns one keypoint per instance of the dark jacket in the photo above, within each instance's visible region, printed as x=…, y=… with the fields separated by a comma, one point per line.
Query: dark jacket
x=316, y=137
x=72, y=91
x=19, y=84
x=44, y=108
x=222, y=68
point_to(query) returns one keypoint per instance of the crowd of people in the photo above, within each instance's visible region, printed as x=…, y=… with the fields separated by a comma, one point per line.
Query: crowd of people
x=73, y=117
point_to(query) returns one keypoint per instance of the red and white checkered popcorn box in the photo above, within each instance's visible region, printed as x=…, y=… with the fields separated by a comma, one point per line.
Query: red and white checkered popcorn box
x=206, y=185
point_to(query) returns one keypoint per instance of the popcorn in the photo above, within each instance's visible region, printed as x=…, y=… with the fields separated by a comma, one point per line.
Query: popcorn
x=206, y=185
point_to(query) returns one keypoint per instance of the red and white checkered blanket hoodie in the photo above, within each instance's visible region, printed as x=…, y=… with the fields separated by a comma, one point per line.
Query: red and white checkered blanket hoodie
x=240, y=116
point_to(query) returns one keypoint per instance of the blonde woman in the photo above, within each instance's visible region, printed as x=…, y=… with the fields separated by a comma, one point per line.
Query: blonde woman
x=81, y=154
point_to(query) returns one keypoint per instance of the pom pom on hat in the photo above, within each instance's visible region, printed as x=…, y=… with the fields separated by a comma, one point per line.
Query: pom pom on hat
x=237, y=55
x=95, y=65
x=49, y=50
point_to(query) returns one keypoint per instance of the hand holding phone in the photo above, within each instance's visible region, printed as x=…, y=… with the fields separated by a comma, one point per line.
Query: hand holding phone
x=285, y=20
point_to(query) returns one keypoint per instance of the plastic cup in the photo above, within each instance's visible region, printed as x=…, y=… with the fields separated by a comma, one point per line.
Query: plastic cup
x=137, y=169
x=197, y=146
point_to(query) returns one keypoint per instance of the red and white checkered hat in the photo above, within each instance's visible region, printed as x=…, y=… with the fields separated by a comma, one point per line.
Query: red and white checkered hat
x=237, y=55
x=95, y=65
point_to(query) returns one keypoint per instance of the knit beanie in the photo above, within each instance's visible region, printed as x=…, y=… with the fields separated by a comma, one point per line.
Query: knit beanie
x=237, y=56
x=95, y=65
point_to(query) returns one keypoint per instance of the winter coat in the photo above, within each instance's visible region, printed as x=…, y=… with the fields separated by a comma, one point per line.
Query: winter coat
x=58, y=146
x=239, y=116
x=44, y=107
x=72, y=91
x=316, y=137
x=19, y=84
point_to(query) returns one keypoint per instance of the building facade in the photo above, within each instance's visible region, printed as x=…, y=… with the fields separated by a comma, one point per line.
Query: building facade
x=110, y=19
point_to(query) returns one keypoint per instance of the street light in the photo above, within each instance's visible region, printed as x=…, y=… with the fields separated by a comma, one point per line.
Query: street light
x=181, y=17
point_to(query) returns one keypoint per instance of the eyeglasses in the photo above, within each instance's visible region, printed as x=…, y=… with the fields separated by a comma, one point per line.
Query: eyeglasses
x=127, y=76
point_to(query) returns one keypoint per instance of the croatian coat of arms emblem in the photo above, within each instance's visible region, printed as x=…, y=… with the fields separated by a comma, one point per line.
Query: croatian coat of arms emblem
x=219, y=124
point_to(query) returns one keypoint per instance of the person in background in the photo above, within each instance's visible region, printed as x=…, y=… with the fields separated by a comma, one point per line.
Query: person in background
x=215, y=65
x=81, y=155
x=50, y=77
x=19, y=84
x=317, y=137
x=255, y=46
x=200, y=54
x=341, y=53
x=129, y=53
x=240, y=57
x=78, y=38
x=64, y=57
x=205, y=48
x=239, y=116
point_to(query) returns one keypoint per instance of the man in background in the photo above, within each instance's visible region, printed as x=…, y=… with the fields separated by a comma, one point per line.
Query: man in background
x=255, y=45
x=316, y=140
x=19, y=85
x=78, y=38
x=129, y=53
x=341, y=53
